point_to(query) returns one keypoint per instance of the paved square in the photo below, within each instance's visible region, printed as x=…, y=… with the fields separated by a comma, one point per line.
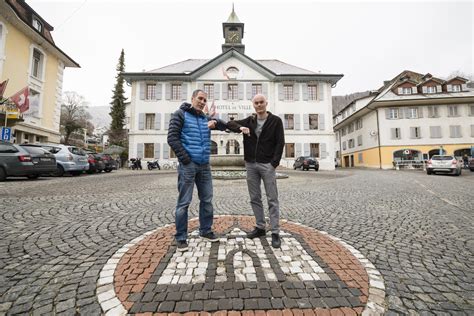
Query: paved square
x=59, y=236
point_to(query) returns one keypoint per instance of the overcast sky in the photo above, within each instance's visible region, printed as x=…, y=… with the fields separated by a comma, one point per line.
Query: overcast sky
x=368, y=42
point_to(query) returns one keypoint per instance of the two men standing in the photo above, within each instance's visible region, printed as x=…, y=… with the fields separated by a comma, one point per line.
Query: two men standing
x=189, y=137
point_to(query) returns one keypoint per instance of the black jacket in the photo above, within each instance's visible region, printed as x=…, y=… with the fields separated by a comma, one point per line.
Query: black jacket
x=267, y=148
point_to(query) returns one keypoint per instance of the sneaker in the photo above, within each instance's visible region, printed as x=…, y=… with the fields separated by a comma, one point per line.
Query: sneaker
x=210, y=236
x=257, y=232
x=182, y=245
x=276, y=242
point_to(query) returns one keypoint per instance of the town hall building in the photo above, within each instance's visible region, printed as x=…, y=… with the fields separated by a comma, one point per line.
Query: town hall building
x=302, y=99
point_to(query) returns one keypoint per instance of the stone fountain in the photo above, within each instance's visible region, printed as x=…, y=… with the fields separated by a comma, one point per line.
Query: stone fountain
x=231, y=167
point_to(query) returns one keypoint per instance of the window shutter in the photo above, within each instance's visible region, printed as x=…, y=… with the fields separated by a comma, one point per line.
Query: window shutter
x=217, y=91
x=322, y=149
x=140, y=148
x=306, y=149
x=280, y=92
x=158, y=91
x=420, y=112
x=321, y=122
x=452, y=131
x=298, y=149
x=265, y=89
x=168, y=91
x=296, y=92
x=225, y=91
x=449, y=88
x=414, y=90
x=241, y=116
x=157, y=147
x=297, y=121
x=321, y=91
x=241, y=91
x=400, y=91
x=225, y=117
x=424, y=89
x=412, y=132
x=306, y=121
x=406, y=112
x=305, y=91
x=285, y=123
x=142, y=91
x=249, y=91
x=158, y=121
x=167, y=120
x=472, y=130
x=464, y=87
x=141, y=120
x=393, y=133
x=200, y=86
x=430, y=111
x=166, y=151
x=184, y=91
x=439, y=89
x=387, y=114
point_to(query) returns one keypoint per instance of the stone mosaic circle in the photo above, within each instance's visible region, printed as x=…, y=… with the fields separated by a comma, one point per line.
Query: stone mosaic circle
x=313, y=273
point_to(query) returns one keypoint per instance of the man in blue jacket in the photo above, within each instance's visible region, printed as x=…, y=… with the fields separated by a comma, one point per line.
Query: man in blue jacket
x=189, y=135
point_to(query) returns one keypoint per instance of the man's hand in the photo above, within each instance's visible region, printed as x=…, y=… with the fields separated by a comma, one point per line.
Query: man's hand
x=245, y=130
x=211, y=124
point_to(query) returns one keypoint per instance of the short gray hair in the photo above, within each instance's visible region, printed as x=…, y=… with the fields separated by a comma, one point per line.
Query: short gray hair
x=195, y=92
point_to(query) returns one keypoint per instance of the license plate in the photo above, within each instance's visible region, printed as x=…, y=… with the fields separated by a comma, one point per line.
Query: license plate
x=45, y=159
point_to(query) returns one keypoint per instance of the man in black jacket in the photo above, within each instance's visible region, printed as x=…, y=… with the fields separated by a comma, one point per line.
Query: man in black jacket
x=264, y=140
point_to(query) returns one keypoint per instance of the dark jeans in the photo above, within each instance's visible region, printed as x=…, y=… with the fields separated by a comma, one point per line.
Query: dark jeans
x=188, y=175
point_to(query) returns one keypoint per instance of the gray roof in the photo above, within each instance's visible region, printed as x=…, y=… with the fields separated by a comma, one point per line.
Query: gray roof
x=274, y=65
x=233, y=18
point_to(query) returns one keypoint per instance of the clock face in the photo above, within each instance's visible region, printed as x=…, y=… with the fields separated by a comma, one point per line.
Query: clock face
x=234, y=37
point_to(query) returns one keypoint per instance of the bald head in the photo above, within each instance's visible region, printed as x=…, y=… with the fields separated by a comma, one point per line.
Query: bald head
x=260, y=105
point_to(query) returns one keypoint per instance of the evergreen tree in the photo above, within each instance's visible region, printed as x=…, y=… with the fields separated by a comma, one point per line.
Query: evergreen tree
x=117, y=134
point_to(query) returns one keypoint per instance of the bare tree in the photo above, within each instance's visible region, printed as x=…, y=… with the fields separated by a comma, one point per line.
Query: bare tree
x=74, y=115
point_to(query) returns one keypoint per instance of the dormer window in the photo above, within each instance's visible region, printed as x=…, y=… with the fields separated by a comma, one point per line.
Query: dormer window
x=456, y=88
x=406, y=90
x=431, y=89
x=37, y=25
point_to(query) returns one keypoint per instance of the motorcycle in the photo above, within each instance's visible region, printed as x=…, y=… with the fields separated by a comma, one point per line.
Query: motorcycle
x=153, y=165
x=135, y=164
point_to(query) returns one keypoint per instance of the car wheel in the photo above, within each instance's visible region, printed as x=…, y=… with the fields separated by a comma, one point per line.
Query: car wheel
x=59, y=171
x=76, y=173
x=3, y=175
x=108, y=170
x=472, y=169
x=33, y=176
x=429, y=172
x=316, y=169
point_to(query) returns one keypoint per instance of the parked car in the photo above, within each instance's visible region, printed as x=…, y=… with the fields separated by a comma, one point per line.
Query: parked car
x=444, y=164
x=95, y=163
x=69, y=159
x=110, y=163
x=306, y=163
x=15, y=162
x=44, y=162
x=471, y=164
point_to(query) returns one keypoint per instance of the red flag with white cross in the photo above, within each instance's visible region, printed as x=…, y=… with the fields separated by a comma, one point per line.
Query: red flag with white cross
x=21, y=99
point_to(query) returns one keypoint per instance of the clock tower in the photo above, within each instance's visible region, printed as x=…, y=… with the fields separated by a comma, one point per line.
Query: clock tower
x=233, y=33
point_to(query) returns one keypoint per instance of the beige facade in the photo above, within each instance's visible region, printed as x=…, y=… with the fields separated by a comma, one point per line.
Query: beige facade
x=29, y=58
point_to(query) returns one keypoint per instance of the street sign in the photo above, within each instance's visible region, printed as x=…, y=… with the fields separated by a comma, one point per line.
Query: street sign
x=6, y=133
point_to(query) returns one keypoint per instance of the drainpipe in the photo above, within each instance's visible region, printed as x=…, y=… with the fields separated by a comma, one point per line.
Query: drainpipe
x=378, y=138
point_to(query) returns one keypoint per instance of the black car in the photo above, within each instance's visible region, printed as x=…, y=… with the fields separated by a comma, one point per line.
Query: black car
x=306, y=163
x=44, y=162
x=110, y=163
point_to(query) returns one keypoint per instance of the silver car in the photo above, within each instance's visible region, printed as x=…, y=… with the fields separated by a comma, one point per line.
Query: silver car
x=444, y=163
x=69, y=159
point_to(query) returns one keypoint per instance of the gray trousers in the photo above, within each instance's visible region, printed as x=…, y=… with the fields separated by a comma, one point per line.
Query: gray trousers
x=256, y=172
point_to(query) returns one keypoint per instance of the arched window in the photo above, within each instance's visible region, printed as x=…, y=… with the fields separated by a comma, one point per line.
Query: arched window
x=407, y=154
x=213, y=148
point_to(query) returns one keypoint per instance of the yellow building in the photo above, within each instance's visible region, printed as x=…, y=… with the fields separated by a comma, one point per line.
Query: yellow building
x=30, y=58
x=409, y=119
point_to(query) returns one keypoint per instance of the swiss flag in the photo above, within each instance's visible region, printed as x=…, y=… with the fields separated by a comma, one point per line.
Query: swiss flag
x=21, y=99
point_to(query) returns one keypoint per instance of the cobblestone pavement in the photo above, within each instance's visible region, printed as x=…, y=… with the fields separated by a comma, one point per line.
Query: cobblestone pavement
x=56, y=234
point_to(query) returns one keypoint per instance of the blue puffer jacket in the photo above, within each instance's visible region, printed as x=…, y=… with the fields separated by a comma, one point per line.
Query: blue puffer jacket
x=189, y=136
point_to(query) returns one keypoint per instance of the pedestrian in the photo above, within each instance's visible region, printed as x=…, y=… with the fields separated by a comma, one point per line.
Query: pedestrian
x=465, y=160
x=189, y=136
x=264, y=140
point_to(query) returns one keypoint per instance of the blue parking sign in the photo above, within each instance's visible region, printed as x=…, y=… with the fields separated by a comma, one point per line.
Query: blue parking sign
x=6, y=133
